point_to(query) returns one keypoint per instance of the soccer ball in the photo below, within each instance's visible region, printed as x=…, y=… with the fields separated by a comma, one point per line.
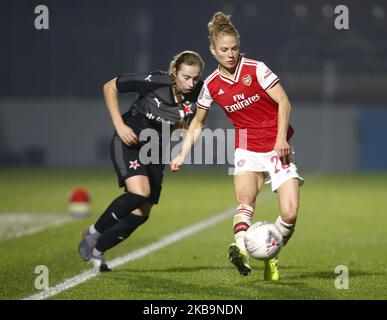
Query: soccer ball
x=263, y=240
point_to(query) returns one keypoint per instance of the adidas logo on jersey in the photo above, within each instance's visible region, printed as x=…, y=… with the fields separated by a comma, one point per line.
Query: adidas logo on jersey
x=220, y=91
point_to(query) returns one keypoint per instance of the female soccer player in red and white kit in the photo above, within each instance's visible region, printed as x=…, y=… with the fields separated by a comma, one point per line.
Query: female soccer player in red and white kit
x=254, y=101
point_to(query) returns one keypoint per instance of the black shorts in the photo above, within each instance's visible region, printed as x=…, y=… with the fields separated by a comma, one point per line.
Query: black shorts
x=127, y=164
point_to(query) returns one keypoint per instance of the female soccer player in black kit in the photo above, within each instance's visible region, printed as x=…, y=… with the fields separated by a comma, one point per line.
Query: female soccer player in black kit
x=163, y=99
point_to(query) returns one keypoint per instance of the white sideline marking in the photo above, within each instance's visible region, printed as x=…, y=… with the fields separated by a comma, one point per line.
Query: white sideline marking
x=161, y=243
x=42, y=227
x=28, y=220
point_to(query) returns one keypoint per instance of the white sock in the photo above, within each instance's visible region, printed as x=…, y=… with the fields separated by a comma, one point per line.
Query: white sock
x=96, y=252
x=94, y=231
x=240, y=241
x=242, y=221
x=286, y=229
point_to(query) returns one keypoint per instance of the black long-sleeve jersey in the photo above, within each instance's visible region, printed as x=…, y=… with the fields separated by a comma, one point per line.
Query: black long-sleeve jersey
x=155, y=105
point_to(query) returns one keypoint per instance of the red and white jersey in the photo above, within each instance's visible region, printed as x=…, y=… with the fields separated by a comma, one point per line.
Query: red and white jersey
x=246, y=103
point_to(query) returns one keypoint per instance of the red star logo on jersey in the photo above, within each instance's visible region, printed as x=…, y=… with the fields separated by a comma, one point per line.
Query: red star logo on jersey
x=247, y=79
x=187, y=109
x=134, y=165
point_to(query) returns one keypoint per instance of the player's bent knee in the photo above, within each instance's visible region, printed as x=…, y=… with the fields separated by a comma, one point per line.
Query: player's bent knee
x=144, y=210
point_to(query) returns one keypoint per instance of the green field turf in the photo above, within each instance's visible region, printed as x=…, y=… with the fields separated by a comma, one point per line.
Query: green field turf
x=342, y=221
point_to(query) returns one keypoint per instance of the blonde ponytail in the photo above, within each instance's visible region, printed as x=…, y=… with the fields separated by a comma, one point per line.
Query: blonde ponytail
x=221, y=24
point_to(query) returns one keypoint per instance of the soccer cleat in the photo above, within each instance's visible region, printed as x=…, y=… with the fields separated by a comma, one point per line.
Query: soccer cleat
x=99, y=264
x=271, y=270
x=87, y=245
x=240, y=259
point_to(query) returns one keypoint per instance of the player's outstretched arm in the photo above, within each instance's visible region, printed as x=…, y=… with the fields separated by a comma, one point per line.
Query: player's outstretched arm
x=192, y=135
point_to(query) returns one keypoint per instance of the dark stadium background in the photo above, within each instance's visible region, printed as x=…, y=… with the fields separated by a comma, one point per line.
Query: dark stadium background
x=55, y=132
x=51, y=106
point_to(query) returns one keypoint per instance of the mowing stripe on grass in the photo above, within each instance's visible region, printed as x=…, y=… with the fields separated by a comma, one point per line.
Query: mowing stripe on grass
x=161, y=243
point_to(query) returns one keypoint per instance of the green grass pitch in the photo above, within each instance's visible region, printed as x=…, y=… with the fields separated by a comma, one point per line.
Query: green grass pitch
x=342, y=221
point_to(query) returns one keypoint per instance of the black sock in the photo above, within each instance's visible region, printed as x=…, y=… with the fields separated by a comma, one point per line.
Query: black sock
x=118, y=210
x=119, y=232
